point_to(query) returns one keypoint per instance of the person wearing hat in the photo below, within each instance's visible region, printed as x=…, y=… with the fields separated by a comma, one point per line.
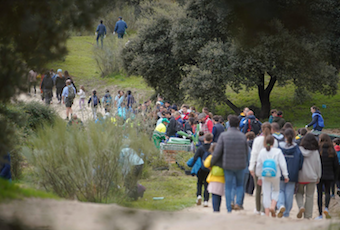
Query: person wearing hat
x=159, y=132
x=120, y=27
x=101, y=32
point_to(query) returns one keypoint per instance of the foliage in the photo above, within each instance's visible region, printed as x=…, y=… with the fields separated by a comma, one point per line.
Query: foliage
x=85, y=163
x=182, y=159
x=109, y=59
x=12, y=191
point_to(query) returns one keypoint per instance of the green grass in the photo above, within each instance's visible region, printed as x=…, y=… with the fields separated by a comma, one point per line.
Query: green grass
x=81, y=65
x=178, y=192
x=10, y=191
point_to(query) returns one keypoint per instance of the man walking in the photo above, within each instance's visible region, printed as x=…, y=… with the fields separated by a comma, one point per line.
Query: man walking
x=32, y=81
x=101, y=32
x=68, y=95
x=231, y=154
x=120, y=27
x=46, y=86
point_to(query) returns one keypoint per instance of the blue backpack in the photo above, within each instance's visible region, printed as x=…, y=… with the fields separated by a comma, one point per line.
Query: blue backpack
x=269, y=168
x=205, y=155
x=95, y=100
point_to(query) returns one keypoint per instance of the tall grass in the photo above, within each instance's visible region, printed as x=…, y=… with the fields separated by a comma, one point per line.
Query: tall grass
x=85, y=163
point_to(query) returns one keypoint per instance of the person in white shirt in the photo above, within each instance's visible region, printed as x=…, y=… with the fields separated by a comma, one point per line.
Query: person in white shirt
x=271, y=185
x=82, y=96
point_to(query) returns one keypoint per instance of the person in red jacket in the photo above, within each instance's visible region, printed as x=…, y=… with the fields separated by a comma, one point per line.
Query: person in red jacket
x=206, y=123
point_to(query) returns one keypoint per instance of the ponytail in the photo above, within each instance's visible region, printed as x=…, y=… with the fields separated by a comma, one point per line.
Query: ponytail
x=266, y=131
x=289, y=135
x=269, y=140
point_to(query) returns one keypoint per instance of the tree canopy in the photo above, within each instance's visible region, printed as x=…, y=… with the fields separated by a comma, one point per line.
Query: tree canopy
x=217, y=44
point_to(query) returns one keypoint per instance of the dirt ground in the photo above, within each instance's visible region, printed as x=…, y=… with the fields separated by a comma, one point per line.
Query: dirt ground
x=74, y=215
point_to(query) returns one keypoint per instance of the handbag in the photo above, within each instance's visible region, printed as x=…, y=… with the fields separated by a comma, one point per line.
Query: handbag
x=217, y=171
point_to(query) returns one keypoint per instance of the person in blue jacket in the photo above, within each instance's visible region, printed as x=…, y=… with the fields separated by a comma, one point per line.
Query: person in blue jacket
x=101, y=32
x=317, y=119
x=5, y=167
x=294, y=159
x=120, y=27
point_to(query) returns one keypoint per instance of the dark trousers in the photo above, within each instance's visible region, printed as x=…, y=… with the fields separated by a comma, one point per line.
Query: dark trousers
x=48, y=96
x=335, y=182
x=34, y=84
x=202, y=180
x=59, y=92
x=216, y=202
x=121, y=35
x=101, y=36
x=327, y=184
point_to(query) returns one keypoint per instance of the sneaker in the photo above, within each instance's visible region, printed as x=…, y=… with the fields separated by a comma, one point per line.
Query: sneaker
x=256, y=212
x=237, y=208
x=199, y=200
x=326, y=212
x=272, y=211
x=301, y=211
x=332, y=197
x=205, y=204
x=318, y=218
x=281, y=211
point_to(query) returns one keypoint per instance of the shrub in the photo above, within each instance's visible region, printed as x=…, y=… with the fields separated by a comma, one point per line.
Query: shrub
x=86, y=163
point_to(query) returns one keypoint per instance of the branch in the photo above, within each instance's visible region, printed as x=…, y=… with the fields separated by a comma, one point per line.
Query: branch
x=271, y=84
x=231, y=105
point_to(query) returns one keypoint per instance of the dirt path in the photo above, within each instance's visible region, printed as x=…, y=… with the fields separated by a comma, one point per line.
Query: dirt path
x=74, y=215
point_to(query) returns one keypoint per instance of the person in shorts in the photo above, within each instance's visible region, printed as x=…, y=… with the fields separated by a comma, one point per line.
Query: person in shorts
x=68, y=96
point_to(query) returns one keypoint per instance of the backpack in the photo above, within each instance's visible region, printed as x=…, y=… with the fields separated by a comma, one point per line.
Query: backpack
x=71, y=94
x=205, y=155
x=48, y=83
x=269, y=168
x=254, y=125
x=94, y=100
x=107, y=99
x=321, y=122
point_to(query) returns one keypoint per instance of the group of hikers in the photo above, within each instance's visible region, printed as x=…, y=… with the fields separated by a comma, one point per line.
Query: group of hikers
x=120, y=28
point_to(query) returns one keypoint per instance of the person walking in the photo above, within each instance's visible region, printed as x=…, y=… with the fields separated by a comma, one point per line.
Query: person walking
x=120, y=27
x=59, y=84
x=32, y=81
x=270, y=165
x=231, y=154
x=309, y=176
x=329, y=164
x=82, y=96
x=294, y=159
x=258, y=145
x=68, y=95
x=94, y=101
x=101, y=33
x=317, y=119
x=46, y=86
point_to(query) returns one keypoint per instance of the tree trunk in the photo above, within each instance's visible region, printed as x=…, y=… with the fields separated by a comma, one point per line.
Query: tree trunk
x=264, y=95
x=231, y=105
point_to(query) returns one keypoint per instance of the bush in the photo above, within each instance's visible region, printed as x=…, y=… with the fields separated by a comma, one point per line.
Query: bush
x=109, y=59
x=86, y=163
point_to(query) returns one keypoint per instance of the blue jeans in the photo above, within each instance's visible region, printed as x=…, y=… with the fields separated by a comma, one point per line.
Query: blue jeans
x=229, y=175
x=286, y=196
x=120, y=35
x=233, y=191
x=216, y=202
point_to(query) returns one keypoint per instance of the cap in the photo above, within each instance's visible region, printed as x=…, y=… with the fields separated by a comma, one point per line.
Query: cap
x=120, y=17
x=165, y=120
x=59, y=71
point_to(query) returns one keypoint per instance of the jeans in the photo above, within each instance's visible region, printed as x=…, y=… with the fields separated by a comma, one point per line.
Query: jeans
x=121, y=35
x=101, y=39
x=202, y=180
x=309, y=198
x=216, y=202
x=327, y=184
x=94, y=113
x=233, y=191
x=229, y=175
x=286, y=196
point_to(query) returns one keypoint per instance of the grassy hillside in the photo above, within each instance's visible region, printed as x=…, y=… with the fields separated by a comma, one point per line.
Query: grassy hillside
x=80, y=63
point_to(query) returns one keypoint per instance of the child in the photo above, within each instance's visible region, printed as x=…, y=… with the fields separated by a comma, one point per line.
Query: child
x=294, y=159
x=94, y=103
x=271, y=185
x=82, y=94
x=336, y=143
x=202, y=152
x=107, y=100
x=216, y=182
x=301, y=133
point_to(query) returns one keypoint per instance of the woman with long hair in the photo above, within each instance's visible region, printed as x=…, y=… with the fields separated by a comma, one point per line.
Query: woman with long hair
x=258, y=145
x=329, y=164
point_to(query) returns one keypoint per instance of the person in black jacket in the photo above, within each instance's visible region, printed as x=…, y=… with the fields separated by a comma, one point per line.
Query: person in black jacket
x=171, y=129
x=203, y=173
x=59, y=84
x=46, y=86
x=330, y=164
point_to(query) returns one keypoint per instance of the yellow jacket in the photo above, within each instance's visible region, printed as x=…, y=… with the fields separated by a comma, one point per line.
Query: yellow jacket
x=210, y=177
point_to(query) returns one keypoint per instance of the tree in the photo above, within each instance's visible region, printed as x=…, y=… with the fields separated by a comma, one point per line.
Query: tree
x=33, y=33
